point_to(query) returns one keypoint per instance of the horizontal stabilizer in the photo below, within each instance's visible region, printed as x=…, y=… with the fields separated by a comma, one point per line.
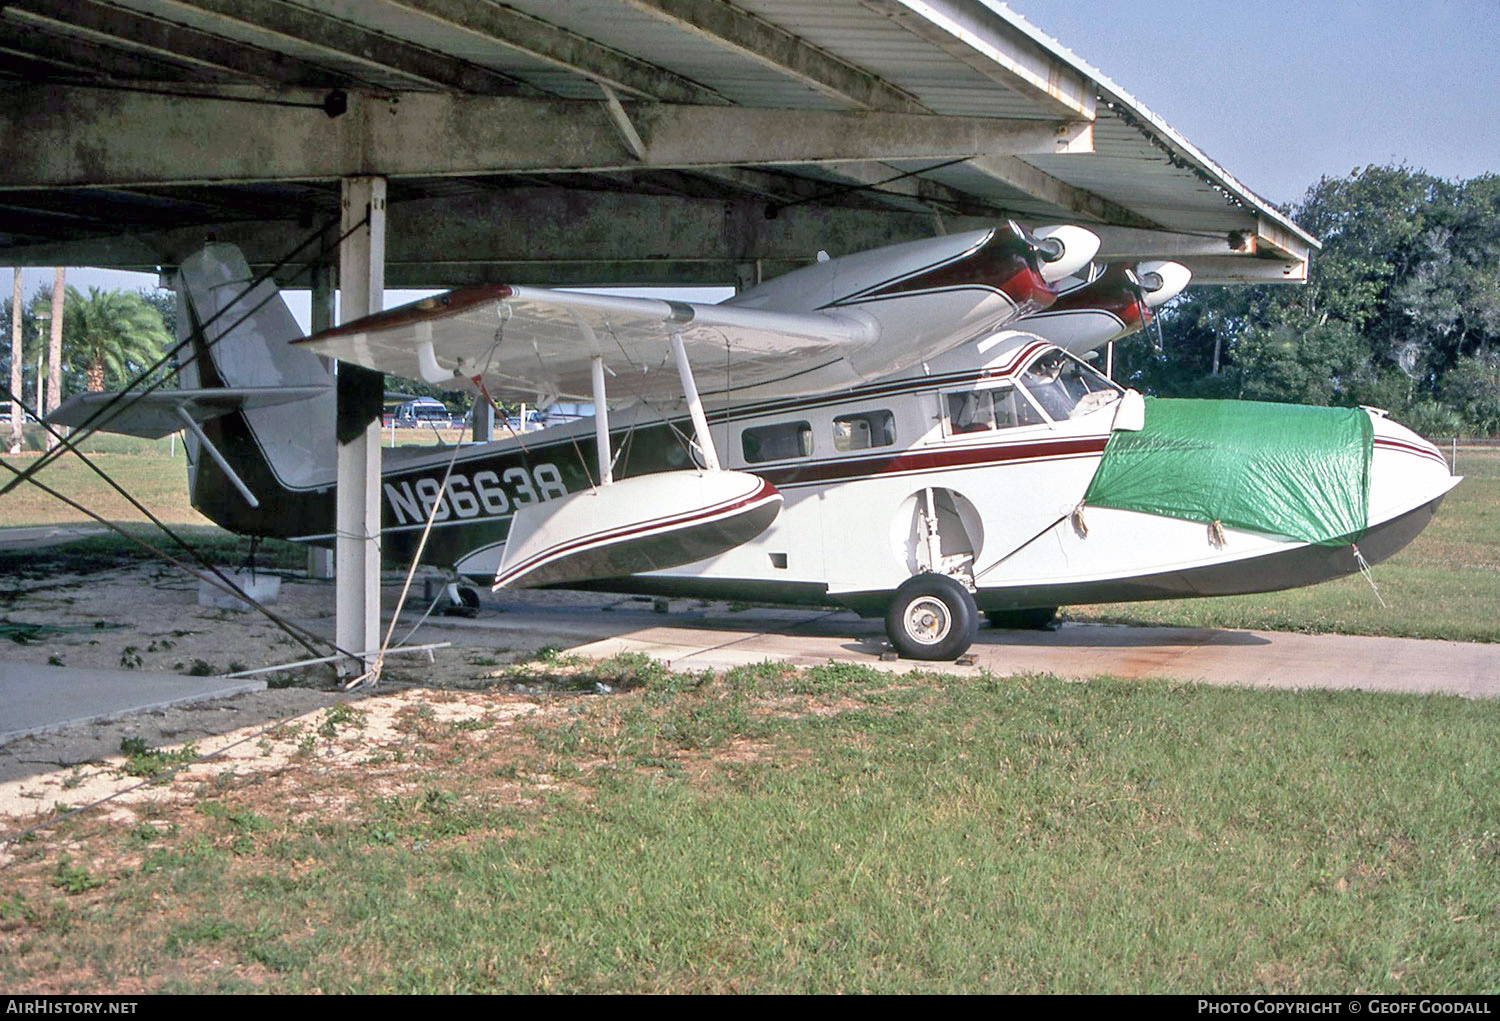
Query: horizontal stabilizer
x=155, y=414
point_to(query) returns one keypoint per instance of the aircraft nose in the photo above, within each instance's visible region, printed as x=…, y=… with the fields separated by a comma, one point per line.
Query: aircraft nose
x=1406, y=471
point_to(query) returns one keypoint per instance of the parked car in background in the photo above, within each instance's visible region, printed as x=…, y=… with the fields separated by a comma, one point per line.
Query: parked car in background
x=422, y=412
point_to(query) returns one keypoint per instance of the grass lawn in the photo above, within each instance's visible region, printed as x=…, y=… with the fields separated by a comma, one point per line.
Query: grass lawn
x=835, y=830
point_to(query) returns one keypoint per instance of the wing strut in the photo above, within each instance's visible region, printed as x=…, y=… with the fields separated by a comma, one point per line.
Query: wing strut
x=601, y=424
x=695, y=405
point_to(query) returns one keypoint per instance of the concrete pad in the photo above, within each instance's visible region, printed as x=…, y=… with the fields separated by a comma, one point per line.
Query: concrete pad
x=37, y=699
x=43, y=536
x=1247, y=658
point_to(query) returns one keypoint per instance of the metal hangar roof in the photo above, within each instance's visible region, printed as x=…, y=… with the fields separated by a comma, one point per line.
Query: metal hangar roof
x=587, y=141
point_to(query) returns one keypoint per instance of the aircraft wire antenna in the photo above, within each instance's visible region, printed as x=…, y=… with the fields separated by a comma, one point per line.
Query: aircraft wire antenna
x=371, y=676
x=572, y=435
x=484, y=391
x=1364, y=569
x=1076, y=514
x=682, y=439
x=109, y=409
x=219, y=579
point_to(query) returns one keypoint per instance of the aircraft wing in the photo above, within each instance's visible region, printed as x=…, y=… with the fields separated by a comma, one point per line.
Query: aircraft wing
x=530, y=342
x=155, y=414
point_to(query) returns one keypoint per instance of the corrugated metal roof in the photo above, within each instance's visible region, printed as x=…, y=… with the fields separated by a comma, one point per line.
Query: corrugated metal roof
x=951, y=58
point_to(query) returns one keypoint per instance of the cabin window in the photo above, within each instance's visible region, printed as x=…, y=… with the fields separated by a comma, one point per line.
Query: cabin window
x=1065, y=387
x=779, y=442
x=976, y=411
x=864, y=430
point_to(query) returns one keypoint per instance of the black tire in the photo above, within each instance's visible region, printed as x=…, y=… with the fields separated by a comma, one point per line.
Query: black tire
x=932, y=617
x=467, y=605
x=1036, y=618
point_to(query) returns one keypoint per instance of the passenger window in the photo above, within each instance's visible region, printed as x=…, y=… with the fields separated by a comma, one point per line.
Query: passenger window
x=985, y=410
x=778, y=442
x=865, y=430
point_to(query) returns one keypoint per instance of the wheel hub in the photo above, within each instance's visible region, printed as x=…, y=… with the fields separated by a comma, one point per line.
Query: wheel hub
x=928, y=620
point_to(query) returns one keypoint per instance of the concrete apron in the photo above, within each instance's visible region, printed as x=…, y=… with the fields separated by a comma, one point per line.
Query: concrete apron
x=37, y=699
x=1246, y=658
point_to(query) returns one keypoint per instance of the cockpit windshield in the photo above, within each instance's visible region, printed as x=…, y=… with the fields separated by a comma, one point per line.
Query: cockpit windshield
x=1066, y=387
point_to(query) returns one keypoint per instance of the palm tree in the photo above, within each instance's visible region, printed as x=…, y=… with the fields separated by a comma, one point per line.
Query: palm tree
x=111, y=335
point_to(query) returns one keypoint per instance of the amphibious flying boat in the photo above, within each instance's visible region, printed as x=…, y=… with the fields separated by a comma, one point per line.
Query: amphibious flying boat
x=908, y=431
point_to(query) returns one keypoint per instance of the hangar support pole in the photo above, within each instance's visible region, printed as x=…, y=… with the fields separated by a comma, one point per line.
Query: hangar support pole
x=319, y=559
x=360, y=393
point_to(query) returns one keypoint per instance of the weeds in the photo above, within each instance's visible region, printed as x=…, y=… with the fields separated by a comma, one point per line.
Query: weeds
x=149, y=763
x=74, y=879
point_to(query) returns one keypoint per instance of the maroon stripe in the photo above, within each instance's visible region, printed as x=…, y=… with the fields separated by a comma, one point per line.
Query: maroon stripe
x=1003, y=262
x=1113, y=293
x=438, y=306
x=1412, y=448
x=932, y=460
x=766, y=491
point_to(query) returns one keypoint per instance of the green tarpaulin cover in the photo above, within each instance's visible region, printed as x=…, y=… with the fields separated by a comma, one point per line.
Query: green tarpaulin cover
x=1286, y=469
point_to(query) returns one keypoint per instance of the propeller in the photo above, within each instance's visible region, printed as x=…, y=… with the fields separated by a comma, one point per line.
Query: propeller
x=1160, y=282
x=1062, y=249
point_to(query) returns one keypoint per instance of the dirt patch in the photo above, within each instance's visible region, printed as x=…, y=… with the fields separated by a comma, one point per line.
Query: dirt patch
x=327, y=736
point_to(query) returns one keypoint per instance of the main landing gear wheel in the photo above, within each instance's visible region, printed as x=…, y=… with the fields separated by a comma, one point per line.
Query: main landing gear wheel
x=932, y=617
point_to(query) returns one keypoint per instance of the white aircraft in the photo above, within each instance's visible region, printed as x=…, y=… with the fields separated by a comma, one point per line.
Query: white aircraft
x=871, y=430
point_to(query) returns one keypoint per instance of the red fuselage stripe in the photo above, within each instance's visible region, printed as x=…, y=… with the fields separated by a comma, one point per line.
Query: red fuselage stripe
x=765, y=492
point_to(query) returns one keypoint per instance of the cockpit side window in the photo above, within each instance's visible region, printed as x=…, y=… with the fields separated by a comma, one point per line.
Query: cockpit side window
x=1065, y=387
x=779, y=442
x=974, y=411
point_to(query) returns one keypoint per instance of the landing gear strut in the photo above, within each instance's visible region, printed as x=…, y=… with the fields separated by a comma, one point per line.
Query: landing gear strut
x=932, y=617
x=455, y=598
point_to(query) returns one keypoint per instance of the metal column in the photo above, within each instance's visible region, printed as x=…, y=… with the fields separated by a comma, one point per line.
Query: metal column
x=484, y=419
x=320, y=560
x=360, y=393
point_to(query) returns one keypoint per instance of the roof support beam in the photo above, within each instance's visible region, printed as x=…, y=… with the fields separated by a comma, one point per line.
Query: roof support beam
x=1017, y=173
x=622, y=123
x=562, y=49
x=162, y=40
x=982, y=39
x=39, y=55
x=1118, y=244
x=633, y=238
x=61, y=137
x=1237, y=269
x=351, y=44
x=758, y=40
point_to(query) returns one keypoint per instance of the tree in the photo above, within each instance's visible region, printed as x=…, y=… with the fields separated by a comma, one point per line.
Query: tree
x=15, y=366
x=54, y=349
x=1405, y=292
x=111, y=336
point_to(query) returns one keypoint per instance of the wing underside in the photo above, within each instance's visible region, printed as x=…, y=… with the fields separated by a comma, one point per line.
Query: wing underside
x=525, y=342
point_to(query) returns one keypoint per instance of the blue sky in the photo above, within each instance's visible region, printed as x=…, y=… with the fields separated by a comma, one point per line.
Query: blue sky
x=1281, y=93
x=1277, y=93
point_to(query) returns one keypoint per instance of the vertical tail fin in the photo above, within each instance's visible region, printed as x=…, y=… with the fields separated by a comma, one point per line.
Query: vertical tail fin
x=240, y=337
